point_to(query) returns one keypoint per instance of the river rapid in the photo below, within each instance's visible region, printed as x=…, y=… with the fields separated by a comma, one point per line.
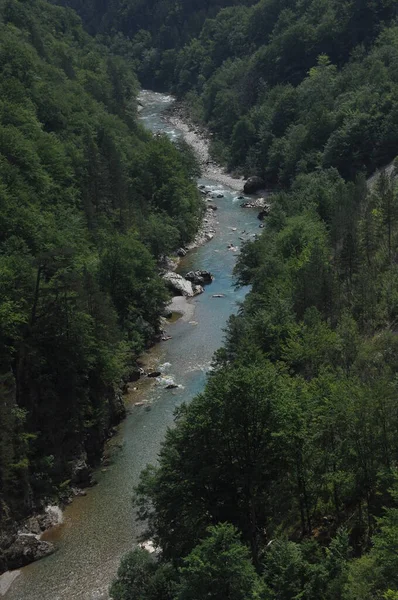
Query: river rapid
x=99, y=528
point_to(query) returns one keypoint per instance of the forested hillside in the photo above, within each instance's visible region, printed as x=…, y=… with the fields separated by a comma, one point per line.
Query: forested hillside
x=151, y=33
x=293, y=441
x=89, y=202
x=279, y=481
x=286, y=86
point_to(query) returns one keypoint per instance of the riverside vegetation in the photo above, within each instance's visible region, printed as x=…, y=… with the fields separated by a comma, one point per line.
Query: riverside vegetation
x=89, y=203
x=279, y=481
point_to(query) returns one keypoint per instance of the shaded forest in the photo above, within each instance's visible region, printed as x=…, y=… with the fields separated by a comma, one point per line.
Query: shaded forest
x=279, y=481
x=89, y=203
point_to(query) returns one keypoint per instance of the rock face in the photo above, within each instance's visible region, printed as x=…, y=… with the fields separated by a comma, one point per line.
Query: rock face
x=26, y=549
x=263, y=214
x=206, y=231
x=80, y=472
x=255, y=203
x=199, y=277
x=253, y=184
x=32, y=525
x=178, y=285
x=197, y=289
x=20, y=543
x=117, y=407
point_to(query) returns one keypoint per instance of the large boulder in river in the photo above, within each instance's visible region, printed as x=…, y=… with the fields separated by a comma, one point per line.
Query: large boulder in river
x=178, y=285
x=254, y=184
x=199, y=277
x=26, y=549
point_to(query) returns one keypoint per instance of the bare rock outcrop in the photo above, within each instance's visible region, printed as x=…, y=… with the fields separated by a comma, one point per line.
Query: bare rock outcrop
x=178, y=284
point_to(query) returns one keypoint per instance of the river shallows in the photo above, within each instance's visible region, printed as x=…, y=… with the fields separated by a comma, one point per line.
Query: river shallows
x=100, y=527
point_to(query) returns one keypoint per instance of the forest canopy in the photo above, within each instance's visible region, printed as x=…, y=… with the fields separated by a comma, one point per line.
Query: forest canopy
x=279, y=480
x=89, y=203
x=288, y=458
x=285, y=86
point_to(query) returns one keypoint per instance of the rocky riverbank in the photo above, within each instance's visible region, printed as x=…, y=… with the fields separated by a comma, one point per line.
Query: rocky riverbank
x=21, y=540
x=207, y=229
x=199, y=141
x=21, y=544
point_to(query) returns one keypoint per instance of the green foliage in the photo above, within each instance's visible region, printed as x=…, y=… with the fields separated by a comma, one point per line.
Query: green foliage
x=127, y=272
x=232, y=423
x=89, y=202
x=140, y=577
x=286, y=86
x=375, y=574
x=219, y=568
x=297, y=424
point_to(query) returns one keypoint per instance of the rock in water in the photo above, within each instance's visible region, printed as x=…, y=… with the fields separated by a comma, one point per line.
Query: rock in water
x=199, y=277
x=178, y=284
x=154, y=374
x=256, y=203
x=26, y=549
x=253, y=184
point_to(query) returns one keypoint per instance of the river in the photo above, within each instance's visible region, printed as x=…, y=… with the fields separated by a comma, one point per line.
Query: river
x=100, y=527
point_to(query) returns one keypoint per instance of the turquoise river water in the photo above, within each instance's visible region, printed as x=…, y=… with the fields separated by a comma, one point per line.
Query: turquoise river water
x=99, y=528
